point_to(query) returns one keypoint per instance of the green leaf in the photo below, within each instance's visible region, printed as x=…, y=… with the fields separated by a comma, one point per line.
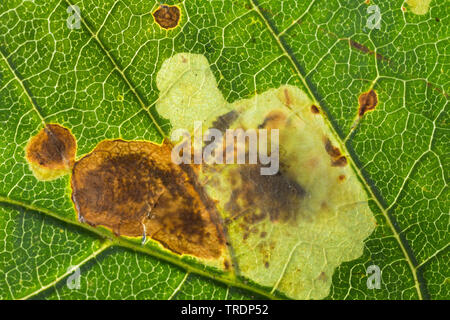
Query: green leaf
x=100, y=81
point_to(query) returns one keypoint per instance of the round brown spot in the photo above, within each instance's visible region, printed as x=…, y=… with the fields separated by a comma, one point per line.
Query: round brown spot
x=167, y=17
x=133, y=188
x=52, y=149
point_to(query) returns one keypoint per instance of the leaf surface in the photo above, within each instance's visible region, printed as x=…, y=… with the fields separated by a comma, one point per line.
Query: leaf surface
x=100, y=81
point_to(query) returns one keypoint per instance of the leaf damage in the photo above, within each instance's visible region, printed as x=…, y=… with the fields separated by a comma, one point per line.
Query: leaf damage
x=167, y=16
x=313, y=209
x=367, y=102
x=133, y=188
x=51, y=153
x=419, y=7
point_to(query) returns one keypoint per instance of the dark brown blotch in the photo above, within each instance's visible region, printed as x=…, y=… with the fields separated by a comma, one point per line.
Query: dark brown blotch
x=53, y=148
x=274, y=120
x=133, y=187
x=337, y=159
x=258, y=197
x=167, y=17
x=331, y=150
x=315, y=109
x=223, y=122
x=367, y=102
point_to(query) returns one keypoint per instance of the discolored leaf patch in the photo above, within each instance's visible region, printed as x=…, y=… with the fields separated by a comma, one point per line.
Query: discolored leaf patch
x=367, y=102
x=419, y=7
x=133, y=188
x=274, y=196
x=167, y=17
x=289, y=230
x=51, y=153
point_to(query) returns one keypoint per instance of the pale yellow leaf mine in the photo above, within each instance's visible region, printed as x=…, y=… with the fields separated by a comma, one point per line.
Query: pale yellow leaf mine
x=419, y=7
x=287, y=231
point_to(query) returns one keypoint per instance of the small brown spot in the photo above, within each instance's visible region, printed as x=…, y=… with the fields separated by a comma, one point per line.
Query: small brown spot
x=287, y=97
x=226, y=265
x=315, y=109
x=337, y=160
x=167, y=17
x=331, y=150
x=133, y=187
x=263, y=234
x=52, y=149
x=342, y=177
x=437, y=19
x=340, y=162
x=367, y=2
x=367, y=102
x=266, y=264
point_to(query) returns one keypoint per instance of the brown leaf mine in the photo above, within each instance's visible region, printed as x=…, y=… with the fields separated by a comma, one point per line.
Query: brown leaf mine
x=51, y=153
x=367, y=102
x=167, y=17
x=134, y=188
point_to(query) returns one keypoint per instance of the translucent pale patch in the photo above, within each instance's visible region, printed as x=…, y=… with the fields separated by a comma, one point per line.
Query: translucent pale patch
x=44, y=174
x=295, y=248
x=188, y=90
x=419, y=6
